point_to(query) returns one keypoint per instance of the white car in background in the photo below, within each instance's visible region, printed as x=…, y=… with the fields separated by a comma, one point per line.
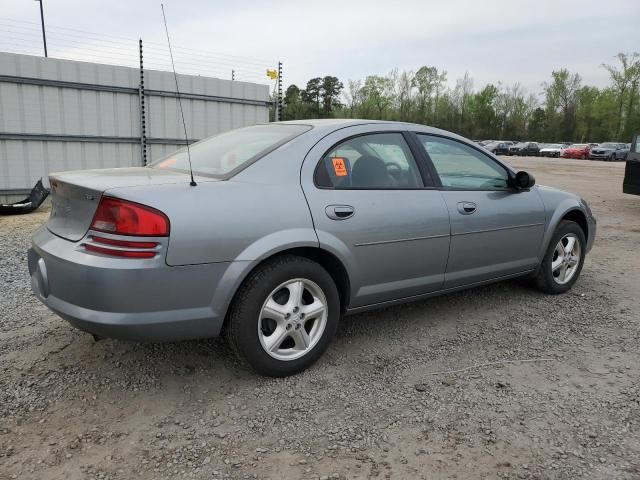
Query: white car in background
x=552, y=150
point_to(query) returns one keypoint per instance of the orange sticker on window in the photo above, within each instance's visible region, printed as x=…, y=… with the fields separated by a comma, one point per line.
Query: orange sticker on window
x=339, y=167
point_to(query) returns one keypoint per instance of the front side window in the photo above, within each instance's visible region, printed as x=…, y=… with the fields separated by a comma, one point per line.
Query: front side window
x=463, y=167
x=374, y=161
x=226, y=153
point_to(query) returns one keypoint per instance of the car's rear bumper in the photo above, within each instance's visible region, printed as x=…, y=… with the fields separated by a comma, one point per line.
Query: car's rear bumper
x=127, y=298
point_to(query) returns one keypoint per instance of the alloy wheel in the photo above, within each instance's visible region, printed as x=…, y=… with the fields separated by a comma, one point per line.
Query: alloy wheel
x=566, y=259
x=292, y=319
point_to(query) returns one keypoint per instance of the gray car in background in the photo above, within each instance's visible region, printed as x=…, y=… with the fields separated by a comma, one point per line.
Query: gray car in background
x=291, y=225
x=609, y=151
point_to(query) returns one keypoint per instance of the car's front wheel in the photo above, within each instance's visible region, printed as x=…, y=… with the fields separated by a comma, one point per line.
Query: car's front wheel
x=562, y=264
x=284, y=316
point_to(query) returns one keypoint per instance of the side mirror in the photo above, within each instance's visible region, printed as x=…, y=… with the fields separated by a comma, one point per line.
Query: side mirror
x=524, y=180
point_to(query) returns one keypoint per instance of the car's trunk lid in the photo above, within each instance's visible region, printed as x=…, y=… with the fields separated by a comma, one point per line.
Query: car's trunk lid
x=75, y=195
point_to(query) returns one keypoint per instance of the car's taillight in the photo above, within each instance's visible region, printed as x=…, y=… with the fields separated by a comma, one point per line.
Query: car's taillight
x=122, y=217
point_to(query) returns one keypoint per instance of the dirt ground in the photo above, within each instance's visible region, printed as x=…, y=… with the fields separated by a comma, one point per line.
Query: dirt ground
x=547, y=387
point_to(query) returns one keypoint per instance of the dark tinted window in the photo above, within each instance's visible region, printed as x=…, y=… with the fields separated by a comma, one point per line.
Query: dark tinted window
x=380, y=160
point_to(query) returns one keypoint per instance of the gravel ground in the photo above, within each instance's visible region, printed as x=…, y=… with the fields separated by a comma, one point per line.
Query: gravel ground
x=374, y=406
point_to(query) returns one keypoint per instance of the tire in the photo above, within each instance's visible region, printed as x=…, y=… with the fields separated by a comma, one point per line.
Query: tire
x=247, y=329
x=546, y=279
x=612, y=158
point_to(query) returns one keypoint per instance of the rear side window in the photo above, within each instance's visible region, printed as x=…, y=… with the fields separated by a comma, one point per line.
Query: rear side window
x=225, y=154
x=374, y=161
x=462, y=167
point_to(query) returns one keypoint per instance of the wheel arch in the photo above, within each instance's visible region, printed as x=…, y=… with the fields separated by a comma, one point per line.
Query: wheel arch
x=576, y=215
x=329, y=261
x=565, y=209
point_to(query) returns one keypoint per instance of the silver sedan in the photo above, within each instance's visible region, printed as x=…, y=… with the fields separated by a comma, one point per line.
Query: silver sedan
x=291, y=225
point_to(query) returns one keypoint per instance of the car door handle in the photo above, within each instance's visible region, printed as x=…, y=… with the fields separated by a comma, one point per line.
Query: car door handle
x=467, y=208
x=340, y=212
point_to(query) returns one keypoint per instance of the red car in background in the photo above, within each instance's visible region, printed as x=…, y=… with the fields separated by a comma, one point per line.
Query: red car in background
x=577, y=150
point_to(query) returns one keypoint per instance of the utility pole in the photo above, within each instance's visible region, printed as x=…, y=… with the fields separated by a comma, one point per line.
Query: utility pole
x=143, y=116
x=44, y=36
x=279, y=98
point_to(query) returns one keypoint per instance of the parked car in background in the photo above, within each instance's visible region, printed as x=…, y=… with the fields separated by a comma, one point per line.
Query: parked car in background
x=551, y=150
x=377, y=213
x=609, y=151
x=531, y=149
x=498, y=148
x=577, y=150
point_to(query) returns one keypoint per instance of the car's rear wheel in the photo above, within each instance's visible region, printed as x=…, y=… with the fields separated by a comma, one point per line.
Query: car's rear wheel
x=562, y=264
x=284, y=316
x=612, y=157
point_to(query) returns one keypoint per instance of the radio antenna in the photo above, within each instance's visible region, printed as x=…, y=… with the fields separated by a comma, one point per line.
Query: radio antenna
x=175, y=77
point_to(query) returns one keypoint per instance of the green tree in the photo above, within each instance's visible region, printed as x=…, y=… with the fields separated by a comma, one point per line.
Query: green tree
x=483, y=113
x=625, y=83
x=429, y=82
x=330, y=91
x=561, y=100
x=375, y=95
x=294, y=106
x=313, y=94
x=537, y=124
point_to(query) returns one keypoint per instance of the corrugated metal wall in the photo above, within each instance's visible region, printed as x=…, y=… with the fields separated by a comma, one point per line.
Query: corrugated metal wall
x=64, y=115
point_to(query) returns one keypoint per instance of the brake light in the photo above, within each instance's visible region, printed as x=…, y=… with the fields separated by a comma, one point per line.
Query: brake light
x=123, y=217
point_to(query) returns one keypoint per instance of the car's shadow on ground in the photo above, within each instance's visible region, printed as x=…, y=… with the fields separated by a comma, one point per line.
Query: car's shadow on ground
x=369, y=330
x=438, y=310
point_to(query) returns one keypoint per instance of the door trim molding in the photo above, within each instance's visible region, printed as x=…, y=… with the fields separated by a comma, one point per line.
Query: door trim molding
x=511, y=227
x=399, y=240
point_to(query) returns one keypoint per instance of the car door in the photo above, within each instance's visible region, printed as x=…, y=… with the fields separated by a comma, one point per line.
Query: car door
x=621, y=151
x=375, y=208
x=496, y=231
x=631, y=183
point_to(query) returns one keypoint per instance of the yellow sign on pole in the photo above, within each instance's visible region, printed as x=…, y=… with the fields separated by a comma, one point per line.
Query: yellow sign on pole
x=272, y=73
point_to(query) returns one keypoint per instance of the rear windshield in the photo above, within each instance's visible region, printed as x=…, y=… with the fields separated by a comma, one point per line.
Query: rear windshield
x=223, y=155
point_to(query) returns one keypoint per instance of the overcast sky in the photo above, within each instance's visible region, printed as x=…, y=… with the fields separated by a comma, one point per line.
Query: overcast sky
x=494, y=40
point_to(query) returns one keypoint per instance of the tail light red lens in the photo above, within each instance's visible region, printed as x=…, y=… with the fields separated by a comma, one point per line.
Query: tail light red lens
x=123, y=217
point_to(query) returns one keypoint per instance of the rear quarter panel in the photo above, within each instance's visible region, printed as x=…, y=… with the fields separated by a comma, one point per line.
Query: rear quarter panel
x=258, y=212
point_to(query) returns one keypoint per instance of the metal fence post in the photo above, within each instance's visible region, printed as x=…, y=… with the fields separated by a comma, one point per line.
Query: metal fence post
x=143, y=127
x=279, y=99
